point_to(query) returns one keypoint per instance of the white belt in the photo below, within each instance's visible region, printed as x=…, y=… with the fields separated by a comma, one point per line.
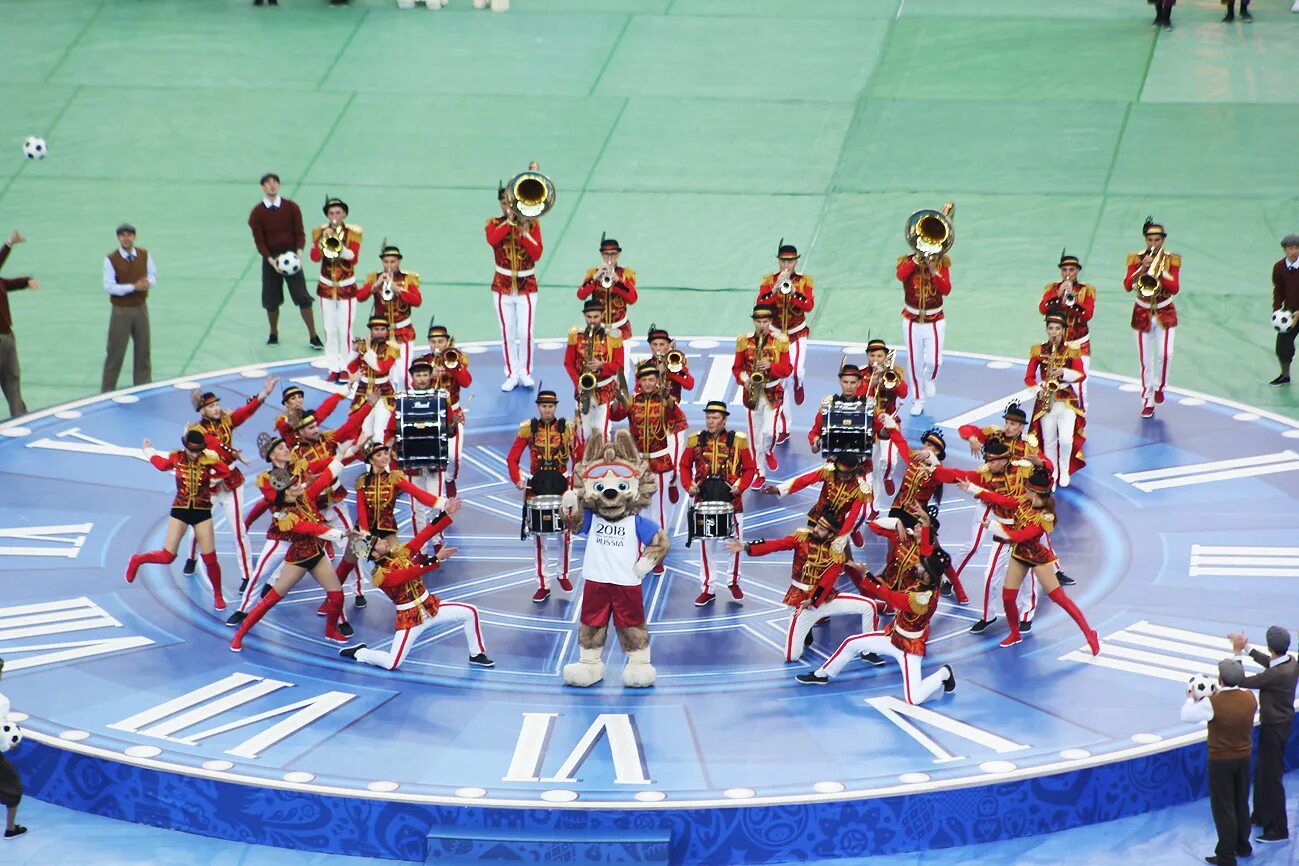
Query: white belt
x=620, y=322
x=506, y=272
x=404, y=323
x=804, y=587
x=1006, y=521
x=341, y=284
x=662, y=452
x=913, y=311
x=410, y=605
x=772, y=383
x=911, y=634
x=796, y=329
x=601, y=383
x=1159, y=306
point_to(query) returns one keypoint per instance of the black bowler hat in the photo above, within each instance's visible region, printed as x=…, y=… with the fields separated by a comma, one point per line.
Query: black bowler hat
x=420, y=364
x=934, y=436
x=376, y=321
x=389, y=250
x=786, y=251
x=1152, y=227
x=995, y=448
x=849, y=370
x=438, y=331
x=194, y=440
x=657, y=333
x=334, y=202
x=716, y=406
x=592, y=305
x=762, y=311
x=646, y=368
x=1039, y=481
x=847, y=461
x=374, y=448
x=877, y=345
x=609, y=245
x=1055, y=319
x=547, y=396
x=1069, y=259
x=307, y=419
x=1014, y=413
x=291, y=391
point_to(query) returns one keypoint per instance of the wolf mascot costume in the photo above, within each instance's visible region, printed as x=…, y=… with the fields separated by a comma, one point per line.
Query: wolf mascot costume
x=614, y=483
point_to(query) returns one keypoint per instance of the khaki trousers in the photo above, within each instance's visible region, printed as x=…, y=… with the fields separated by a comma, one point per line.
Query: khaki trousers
x=127, y=324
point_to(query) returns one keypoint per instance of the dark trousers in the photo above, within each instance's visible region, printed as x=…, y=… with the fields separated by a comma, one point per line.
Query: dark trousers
x=1163, y=13
x=11, y=375
x=1229, y=801
x=273, y=283
x=11, y=787
x=1269, y=789
x=1285, y=345
x=1231, y=7
x=127, y=325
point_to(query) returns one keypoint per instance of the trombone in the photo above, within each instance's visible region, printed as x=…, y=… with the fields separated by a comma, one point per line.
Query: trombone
x=331, y=242
x=1148, y=279
x=451, y=358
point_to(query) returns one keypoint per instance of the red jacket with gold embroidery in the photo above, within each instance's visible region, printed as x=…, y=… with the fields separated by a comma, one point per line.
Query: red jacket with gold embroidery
x=284, y=424
x=549, y=444
x=725, y=454
x=606, y=348
x=921, y=479
x=195, y=476
x=337, y=275
x=652, y=418
x=842, y=498
x=220, y=437
x=398, y=577
x=375, y=362
x=923, y=292
x=1076, y=315
x=775, y=350
x=306, y=455
x=792, y=308
x=616, y=299
x=376, y=497
x=816, y=564
x=398, y=310
x=517, y=254
x=1162, y=302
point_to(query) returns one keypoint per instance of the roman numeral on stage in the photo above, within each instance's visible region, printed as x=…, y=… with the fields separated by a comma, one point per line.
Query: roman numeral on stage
x=718, y=381
x=537, y=731
x=1150, y=480
x=64, y=540
x=48, y=618
x=167, y=720
x=902, y=714
x=1158, y=651
x=1224, y=561
x=73, y=439
x=991, y=409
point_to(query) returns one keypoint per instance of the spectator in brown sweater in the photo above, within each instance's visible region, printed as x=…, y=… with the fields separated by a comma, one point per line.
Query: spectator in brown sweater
x=10, y=374
x=1276, y=690
x=1285, y=293
x=1230, y=714
x=276, y=223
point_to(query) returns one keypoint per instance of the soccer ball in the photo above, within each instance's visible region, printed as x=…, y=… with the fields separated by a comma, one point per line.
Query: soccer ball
x=289, y=263
x=1282, y=319
x=1201, y=686
x=34, y=148
x=10, y=736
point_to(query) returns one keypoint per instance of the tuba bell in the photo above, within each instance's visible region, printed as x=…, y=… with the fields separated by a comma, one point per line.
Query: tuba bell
x=930, y=232
x=530, y=193
x=331, y=244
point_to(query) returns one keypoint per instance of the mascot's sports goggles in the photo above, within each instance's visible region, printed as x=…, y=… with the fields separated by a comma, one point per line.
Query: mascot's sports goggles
x=599, y=470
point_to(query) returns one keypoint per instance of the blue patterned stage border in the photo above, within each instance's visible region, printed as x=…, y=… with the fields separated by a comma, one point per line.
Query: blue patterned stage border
x=386, y=827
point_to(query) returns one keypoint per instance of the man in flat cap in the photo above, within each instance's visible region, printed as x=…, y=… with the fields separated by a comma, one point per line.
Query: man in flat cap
x=129, y=274
x=1285, y=296
x=1276, y=690
x=1229, y=712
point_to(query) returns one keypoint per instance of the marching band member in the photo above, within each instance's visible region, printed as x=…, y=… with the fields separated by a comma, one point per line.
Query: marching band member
x=315, y=448
x=336, y=245
x=1076, y=302
x=593, y=359
x=294, y=401
x=761, y=363
x=396, y=294
x=516, y=244
x=377, y=491
x=886, y=384
x=1034, y=517
x=197, y=468
x=550, y=445
x=295, y=504
x=1058, y=415
x=789, y=295
x=655, y=420
x=905, y=637
x=845, y=492
x=849, y=383
x=816, y=566
x=674, y=369
x=449, y=371
x=1154, y=275
x=613, y=286
x=400, y=577
x=926, y=281
x=374, y=359
x=716, y=451
x=218, y=429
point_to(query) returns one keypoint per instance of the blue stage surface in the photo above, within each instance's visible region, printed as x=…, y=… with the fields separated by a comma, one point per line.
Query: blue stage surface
x=1176, y=531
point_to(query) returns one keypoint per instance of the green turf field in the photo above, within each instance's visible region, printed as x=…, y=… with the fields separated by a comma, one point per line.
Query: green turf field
x=697, y=132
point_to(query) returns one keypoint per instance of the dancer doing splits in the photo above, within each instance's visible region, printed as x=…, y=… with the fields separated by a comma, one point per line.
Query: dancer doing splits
x=197, y=468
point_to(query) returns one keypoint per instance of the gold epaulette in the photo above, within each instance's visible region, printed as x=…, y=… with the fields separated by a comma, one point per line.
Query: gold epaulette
x=628, y=274
x=742, y=342
x=1035, y=351
x=1173, y=260
x=615, y=340
x=354, y=230
x=692, y=441
x=826, y=401
x=525, y=429
x=371, y=277
x=780, y=343
x=918, y=605
x=945, y=262
x=801, y=533
x=902, y=259
x=1048, y=287
x=411, y=276
x=317, y=232
x=378, y=576
x=573, y=333
x=284, y=522
x=397, y=476
x=590, y=272
x=808, y=281
x=1133, y=258
x=741, y=441
x=491, y=221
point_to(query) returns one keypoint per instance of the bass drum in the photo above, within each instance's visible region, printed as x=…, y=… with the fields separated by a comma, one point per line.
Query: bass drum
x=846, y=428
x=423, y=430
x=544, y=511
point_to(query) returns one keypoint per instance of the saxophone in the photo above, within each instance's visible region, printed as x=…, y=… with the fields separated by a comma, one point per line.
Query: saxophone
x=587, y=381
x=757, y=378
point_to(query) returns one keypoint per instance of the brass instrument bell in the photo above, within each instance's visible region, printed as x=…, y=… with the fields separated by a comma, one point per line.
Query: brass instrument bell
x=530, y=193
x=930, y=232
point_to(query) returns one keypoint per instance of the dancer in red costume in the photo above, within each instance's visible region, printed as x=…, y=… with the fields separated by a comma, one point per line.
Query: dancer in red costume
x=1031, y=550
x=196, y=468
x=296, y=515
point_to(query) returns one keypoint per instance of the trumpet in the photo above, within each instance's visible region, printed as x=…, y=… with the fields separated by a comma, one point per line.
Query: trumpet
x=607, y=276
x=675, y=361
x=1068, y=297
x=331, y=243
x=386, y=290
x=786, y=286
x=1148, y=280
x=451, y=358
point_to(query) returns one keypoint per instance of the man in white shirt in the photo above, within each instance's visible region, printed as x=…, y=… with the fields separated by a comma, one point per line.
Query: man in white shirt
x=129, y=273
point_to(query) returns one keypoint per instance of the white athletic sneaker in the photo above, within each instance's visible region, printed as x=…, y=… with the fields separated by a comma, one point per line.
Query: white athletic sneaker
x=1295, y=7
x=917, y=407
x=510, y=383
x=480, y=4
x=405, y=4
x=500, y=5
x=526, y=381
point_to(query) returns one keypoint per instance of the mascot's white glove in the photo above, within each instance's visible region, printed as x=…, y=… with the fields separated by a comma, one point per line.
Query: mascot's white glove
x=568, y=502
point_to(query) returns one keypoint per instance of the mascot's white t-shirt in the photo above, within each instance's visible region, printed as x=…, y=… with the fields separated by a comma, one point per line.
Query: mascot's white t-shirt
x=613, y=546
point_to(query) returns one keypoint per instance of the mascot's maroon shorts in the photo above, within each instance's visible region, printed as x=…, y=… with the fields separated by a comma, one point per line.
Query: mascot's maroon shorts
x=599, y=600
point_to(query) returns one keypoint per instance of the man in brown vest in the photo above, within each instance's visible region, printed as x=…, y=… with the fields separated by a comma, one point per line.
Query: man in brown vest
x=1230, y=714
x=129, y=273
x=10, y=374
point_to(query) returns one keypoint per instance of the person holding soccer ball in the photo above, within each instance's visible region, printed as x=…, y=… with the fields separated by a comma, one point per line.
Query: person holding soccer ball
x=11, y=787
x=276, y=223
x=1285, y=296
x=10, y=374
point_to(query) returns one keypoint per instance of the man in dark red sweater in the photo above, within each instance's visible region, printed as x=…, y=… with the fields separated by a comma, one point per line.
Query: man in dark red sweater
x=9, y=372
x=1285, y=294
x=276, y=223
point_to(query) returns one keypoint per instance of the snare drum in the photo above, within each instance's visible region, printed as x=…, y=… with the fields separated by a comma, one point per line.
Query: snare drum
x=545, y=503
x=846, y=428
x=422, y=430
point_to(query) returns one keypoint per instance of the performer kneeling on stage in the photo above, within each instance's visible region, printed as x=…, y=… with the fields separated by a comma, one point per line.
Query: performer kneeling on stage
x=811, y=594
x=196, y=468
x=401, y=578
x=904, y=638
x=1034, y=515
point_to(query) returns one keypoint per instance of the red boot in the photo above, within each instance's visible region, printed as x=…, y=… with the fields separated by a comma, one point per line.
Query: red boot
x=1058, y=596
x=268, y=601
x=160, y=557
x=213, y=569
x=1009, y=601
x=955, y=580
x=333, y=613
